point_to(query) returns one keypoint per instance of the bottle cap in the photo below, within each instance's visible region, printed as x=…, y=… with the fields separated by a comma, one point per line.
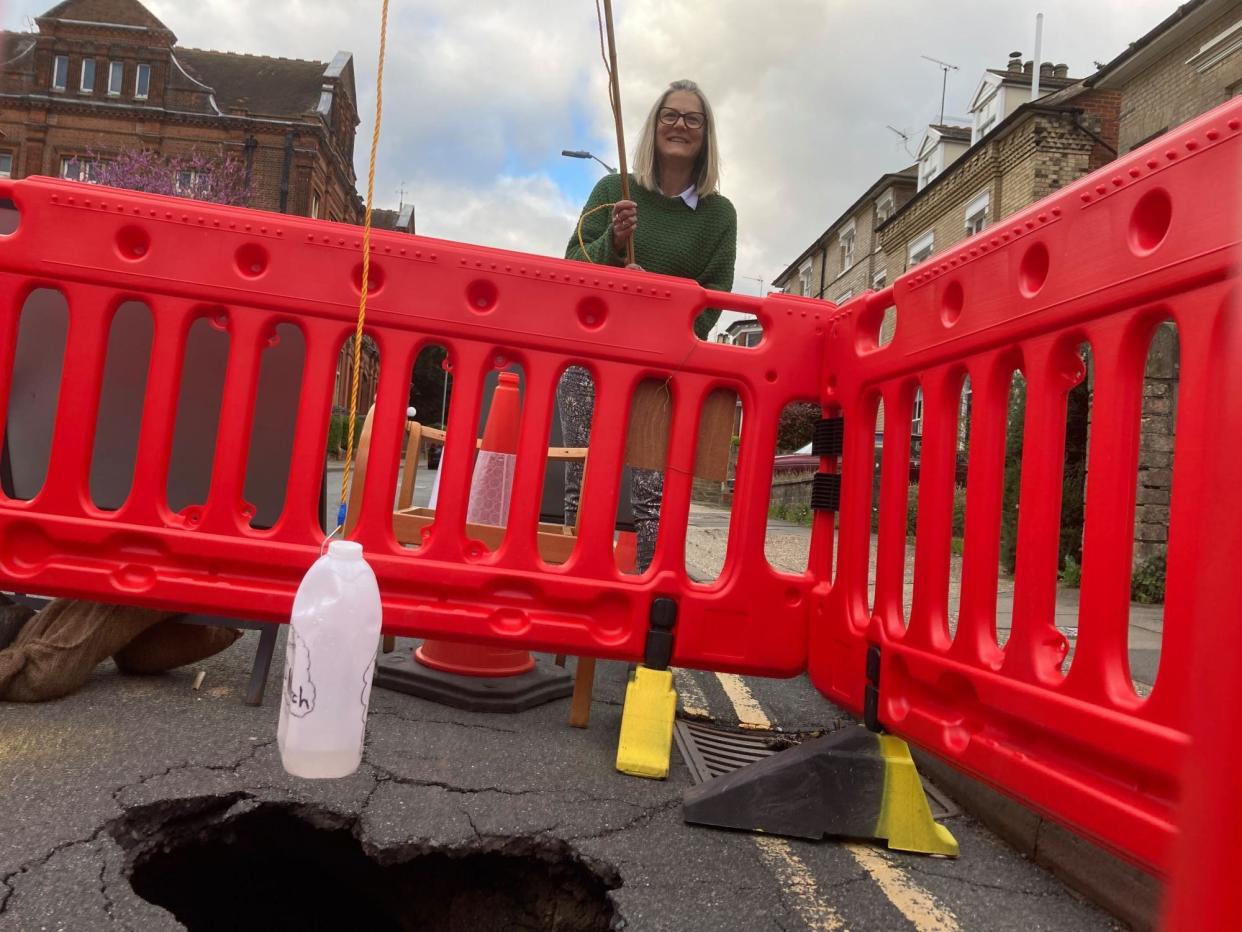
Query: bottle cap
x=345, y=550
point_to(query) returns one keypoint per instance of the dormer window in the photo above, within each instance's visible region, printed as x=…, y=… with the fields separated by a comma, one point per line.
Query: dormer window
x=60, y=73
x=116, y=76
x=884, y=207
x=88, y=76
x=929, y=167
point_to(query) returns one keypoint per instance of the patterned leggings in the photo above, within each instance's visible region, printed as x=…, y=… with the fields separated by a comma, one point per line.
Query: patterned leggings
x=576, y=394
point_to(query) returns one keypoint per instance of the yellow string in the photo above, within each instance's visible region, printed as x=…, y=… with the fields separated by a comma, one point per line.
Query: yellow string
x=586, y=213
x=366, y=257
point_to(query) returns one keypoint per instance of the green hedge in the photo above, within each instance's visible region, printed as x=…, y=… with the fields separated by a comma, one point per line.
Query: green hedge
x=338, y=428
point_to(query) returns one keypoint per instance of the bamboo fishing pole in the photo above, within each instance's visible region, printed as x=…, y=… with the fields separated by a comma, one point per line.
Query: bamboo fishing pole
x=615, y=93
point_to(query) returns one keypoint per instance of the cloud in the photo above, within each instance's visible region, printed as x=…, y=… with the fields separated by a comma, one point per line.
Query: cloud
x=479, y=98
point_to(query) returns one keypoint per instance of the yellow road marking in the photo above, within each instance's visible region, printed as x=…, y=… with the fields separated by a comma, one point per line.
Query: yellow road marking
x=693, y=702
x=799, y=882
x=915, y=903
x=749, y=713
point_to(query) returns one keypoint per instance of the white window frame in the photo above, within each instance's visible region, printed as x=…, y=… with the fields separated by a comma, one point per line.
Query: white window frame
x=885, y=206
x=930, y=161
x=56, y=68
x=86, y=169
x=916, y=413
x=879, y=279
x=1217, y=49
x=116, y=86
x=844, y=296
x=6, y=172
x=315, y=204
x=979, y=204
x=142, y=69
x=987, y=115
x=82, y=85
x=806, y=277
x=923, y=247
x=848, y=239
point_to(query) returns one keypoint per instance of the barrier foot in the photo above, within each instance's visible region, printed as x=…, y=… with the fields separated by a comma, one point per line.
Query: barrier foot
x=647, y=724
x=852, y=783
x=401, y=673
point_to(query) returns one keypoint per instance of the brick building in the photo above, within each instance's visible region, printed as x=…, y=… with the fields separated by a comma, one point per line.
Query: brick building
x=99, y=77
x=1187, y=65
x=847, y=259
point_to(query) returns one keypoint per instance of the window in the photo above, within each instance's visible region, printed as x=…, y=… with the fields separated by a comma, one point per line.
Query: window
x=142, y=82
x=847, y=247
x=6, y=164
x=60, y=73
x=804, y=278
x=749, y=338
x=922, y=247
x=116, y=77
x=844, y=296
x=977, y=213
x=1217, y=49
x=986, y=116
x=879, y=279
x=916, y=413
x=929, y=166
x=884, y=207
x=88, y=75
x=315, y=204
x=76, y=168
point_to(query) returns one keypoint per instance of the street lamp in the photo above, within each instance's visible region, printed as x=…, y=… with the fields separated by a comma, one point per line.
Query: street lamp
x=583, y=154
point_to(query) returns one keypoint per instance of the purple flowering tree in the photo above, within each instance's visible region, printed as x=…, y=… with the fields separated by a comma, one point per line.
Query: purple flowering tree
x=220, y=179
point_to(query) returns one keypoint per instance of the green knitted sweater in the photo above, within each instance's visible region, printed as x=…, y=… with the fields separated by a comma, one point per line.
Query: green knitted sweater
x=672, y=238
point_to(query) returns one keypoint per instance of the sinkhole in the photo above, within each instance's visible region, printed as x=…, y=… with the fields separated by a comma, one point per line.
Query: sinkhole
x=227, y=863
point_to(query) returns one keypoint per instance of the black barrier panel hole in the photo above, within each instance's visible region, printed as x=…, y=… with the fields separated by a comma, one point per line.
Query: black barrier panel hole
x=569, y=432
x=1149, y=224
x=252, y=260
x=1156, y=476
x=1080, y=380
x=732, y=328
x=951, y=303
x=275, y=418
x=961, y=460
x=38, y=361
x=715, y=469
x=121, y=400
x=1015, y=418
x=198, y=413
x=646, y=452
x=133, y=243
x=338, y=423
x=787, y=541
x=293, y=870
x=10, y=217
x=1033, y=271
x=592, y=312
x=375, y=279
x=422, y=446
x=481, y=296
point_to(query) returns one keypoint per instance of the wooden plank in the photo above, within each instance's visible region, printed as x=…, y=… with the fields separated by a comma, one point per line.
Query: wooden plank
x=554, y=546
x=410, y=470
x=650, y=413
x=584, y=686
x=711, y=460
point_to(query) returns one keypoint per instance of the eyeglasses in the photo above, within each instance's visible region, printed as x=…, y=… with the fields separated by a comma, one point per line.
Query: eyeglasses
x=693, y=120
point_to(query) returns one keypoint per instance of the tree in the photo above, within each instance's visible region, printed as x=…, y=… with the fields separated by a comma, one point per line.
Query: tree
x=220, y=178
x=797, y=425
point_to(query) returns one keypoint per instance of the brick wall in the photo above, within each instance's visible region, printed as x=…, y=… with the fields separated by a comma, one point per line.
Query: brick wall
x=1155, y=474
x=1171, y=91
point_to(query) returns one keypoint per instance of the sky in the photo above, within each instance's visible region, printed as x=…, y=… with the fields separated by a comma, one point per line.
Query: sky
x=481, y=96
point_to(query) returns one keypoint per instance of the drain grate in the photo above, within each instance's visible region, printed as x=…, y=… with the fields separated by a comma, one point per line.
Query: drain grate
x=712, y=752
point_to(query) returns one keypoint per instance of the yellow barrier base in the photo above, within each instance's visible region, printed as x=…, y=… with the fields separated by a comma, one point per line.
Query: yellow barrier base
x=905, y=818
x=646, y=741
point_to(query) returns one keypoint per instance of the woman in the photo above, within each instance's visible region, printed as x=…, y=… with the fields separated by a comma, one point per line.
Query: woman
x=689, y=230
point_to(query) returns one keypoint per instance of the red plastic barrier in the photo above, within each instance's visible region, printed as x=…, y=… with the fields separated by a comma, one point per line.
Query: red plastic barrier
x=249, y=272
x=1153, y=237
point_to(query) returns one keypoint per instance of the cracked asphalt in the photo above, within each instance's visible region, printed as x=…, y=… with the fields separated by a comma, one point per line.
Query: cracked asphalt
x=439, y=779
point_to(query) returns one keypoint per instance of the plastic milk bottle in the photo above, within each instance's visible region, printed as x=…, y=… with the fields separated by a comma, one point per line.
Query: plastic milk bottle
x=333, y=641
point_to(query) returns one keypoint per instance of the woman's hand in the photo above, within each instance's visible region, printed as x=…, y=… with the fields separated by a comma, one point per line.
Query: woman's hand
x=624, y=223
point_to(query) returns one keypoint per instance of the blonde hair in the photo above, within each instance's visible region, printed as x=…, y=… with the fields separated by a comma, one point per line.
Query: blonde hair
x=707, y=167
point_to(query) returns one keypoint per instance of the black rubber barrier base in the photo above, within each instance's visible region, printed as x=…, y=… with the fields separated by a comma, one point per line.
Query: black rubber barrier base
x=401, y=673
x=852, y=783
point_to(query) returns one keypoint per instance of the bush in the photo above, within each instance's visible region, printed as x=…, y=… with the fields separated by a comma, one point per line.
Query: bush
x=1071, y=576
x=959, y=511
x=797, y=425
x=797, y=513
x=338, y=428
x=1147, y=581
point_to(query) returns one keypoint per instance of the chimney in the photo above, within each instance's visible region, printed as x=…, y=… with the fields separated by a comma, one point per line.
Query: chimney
x=1045, y=69
x=1028, y=67
x=1015, y=62
x=1060, y=71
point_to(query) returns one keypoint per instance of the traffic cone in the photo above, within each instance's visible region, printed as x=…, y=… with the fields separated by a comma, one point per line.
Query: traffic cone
x=470, y=676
